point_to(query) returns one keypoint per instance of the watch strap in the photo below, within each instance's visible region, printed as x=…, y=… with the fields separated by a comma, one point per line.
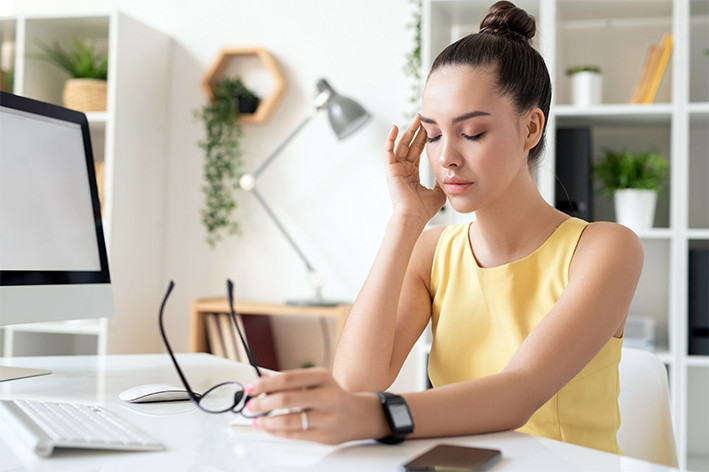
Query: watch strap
x=399, y=431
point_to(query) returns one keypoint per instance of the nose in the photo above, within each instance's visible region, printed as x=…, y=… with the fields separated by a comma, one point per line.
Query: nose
x=450, y=155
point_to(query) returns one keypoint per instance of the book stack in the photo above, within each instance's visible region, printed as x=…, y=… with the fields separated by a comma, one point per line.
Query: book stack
x=224, y=339
x=658, y=57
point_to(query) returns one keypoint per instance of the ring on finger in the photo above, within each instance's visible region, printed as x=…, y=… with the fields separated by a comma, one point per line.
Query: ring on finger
x=304, y=420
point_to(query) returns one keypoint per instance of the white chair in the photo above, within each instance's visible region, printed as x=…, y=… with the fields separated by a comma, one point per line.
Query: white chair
x=645, y=422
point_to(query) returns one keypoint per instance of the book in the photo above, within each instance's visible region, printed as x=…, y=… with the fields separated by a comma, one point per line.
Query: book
x=240, y=349
x=226, y=328
x=643, y=80
x=214, y=335
x=653, y=70
x=665, y=50
x=259, y=335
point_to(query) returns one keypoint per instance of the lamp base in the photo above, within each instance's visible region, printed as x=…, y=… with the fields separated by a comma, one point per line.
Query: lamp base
x=314, y=302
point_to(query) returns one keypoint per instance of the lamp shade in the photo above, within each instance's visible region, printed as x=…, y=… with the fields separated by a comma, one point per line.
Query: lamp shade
x=346, y=115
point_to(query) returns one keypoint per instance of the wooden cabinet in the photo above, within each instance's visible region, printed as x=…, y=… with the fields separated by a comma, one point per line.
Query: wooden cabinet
x=203, y=307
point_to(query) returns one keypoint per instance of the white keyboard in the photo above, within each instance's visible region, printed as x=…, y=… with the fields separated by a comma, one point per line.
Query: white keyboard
x=49, y=425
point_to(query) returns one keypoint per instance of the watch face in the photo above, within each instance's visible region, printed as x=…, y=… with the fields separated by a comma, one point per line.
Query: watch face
x=400, y=415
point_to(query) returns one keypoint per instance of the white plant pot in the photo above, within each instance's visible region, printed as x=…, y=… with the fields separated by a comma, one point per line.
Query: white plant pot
x=586, y=88
x=635, y=208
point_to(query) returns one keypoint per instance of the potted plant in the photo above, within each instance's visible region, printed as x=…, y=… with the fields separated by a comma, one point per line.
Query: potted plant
x=634, y=179
x=586, y=85
x=247, y=101
x=223, y=157
x=86, y=89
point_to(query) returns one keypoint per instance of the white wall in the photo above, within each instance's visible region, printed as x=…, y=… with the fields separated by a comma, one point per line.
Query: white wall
x=331, y=195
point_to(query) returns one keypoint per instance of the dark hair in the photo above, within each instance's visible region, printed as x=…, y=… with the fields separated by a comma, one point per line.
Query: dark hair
x=504, y=41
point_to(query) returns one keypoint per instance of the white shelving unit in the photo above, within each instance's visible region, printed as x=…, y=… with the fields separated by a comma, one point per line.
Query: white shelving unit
x=616, y=34
x=130, y=139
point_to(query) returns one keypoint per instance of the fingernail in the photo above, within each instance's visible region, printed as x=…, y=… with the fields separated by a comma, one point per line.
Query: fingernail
x=254, y=423
x=249, y=388
x=247, y=406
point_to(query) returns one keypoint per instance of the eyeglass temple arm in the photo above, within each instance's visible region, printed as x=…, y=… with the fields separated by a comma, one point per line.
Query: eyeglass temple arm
x=190, y=392
x=232, y=313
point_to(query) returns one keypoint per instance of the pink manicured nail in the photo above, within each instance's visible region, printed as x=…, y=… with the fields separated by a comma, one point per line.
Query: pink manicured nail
x=249, y=388
x=248, y=406
x=254, y=423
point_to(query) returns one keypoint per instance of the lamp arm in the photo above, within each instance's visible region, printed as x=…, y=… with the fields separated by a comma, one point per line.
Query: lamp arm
x=285, y=143
x=283, y=229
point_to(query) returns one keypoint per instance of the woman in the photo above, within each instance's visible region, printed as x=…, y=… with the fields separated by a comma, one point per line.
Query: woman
x=527, y=305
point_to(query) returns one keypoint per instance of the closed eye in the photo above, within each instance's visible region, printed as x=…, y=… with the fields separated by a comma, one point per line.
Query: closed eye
x=431, y=139
x=473, y=138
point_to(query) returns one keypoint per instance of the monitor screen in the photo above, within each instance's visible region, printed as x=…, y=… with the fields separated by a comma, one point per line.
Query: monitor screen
x=53, y=260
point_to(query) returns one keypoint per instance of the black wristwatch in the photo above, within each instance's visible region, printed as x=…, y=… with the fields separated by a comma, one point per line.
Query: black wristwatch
x=398, y=416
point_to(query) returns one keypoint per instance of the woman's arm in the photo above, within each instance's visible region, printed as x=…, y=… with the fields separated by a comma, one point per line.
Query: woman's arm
x=603, y=276
x=393, y=306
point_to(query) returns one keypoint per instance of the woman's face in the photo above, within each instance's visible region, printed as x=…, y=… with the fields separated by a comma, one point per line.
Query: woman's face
x=477, y=143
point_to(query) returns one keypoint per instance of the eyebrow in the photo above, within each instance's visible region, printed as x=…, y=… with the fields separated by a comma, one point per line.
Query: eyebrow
x=457, y=119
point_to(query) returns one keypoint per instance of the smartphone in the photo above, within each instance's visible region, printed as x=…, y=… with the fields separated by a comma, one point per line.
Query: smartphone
x=450, y=458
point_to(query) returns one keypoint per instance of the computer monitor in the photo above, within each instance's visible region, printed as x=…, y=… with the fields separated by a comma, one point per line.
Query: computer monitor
x=53, y=260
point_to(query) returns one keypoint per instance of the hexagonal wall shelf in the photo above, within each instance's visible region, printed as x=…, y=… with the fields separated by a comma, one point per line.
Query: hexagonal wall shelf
x=270, y=102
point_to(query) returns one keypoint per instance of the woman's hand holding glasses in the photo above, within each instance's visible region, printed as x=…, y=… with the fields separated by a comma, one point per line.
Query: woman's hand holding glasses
x=319, y=409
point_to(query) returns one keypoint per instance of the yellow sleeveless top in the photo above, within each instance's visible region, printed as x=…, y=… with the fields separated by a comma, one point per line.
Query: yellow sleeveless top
x=480, y=316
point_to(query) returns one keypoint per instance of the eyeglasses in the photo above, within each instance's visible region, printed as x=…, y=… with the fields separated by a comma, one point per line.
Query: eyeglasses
x=226, y=396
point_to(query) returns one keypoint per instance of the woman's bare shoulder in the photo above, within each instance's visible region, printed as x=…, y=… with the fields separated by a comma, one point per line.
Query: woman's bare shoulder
x=606, y=241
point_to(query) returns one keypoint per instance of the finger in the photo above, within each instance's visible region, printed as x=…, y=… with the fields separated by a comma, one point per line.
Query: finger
x=402, y=148
x=285, y=401
x=389, y=145
x=289, y=380
x=417, y=146
x=289, y=422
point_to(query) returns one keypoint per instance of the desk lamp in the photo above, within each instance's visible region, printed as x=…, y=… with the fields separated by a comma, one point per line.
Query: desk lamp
x=346, y=116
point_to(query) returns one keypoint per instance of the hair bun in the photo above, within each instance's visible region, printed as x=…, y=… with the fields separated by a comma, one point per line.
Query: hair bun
x=505, y=18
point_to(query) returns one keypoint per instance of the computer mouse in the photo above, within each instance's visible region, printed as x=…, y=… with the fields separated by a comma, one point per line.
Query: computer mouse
x=154, y=393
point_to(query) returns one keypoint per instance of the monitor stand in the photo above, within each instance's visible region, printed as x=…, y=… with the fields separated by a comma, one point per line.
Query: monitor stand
x=15, y=373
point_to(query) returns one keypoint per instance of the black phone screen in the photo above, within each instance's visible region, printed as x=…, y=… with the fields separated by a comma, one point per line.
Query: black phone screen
x=450, y=458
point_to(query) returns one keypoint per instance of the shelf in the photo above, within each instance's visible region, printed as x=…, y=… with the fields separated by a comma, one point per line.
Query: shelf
x=655, y=233
x=201, y=308
x=611, y=114
x=89, y=327
x=697, y=361
x=220, y=68
x=96, y=117
x=616, y=35
x=133, y=126
x=698, y=234
x=698, y=108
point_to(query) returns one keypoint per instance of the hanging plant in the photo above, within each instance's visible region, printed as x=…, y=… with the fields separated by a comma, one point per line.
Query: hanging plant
x=412, y=66
x=223, y=158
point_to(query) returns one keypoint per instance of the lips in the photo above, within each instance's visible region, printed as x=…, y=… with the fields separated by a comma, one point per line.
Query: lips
x=455, y=185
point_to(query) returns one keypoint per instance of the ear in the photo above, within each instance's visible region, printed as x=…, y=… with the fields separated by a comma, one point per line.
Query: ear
x=534, y=122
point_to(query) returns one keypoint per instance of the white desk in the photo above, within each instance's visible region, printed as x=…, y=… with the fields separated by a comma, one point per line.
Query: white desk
x=198, y=441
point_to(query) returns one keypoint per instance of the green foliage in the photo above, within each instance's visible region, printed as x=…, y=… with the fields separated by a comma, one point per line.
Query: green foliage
x=81, y=61
x=7, y=79
x=582, y=68
x=223, y=160
x=412, y=66
x=638, y=170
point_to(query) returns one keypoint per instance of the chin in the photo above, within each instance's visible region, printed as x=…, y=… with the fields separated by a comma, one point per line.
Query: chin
x=462, y=206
